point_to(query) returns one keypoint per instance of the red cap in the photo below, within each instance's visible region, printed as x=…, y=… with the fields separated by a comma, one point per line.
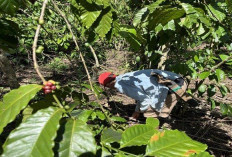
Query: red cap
x=106, y=77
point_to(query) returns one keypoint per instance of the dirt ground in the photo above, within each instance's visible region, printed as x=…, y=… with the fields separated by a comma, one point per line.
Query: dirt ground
x=199, y=122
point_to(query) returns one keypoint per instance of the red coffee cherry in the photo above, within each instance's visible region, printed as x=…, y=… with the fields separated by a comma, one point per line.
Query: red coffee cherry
x=47, y=91
x=49, y=84
x=47, y=87
x=53, y=87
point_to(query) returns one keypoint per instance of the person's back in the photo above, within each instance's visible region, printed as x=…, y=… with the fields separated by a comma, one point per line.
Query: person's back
x=145, y=87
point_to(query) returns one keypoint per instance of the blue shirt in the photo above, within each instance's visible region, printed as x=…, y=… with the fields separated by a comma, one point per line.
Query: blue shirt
x=144, y=88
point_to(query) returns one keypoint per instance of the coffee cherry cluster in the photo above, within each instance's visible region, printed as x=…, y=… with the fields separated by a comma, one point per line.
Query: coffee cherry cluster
x=49, y=86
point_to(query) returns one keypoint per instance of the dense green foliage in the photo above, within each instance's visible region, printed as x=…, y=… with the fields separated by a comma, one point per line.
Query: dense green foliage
x=196, y=32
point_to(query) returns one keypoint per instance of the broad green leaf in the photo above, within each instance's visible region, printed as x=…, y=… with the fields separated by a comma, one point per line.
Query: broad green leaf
x=215, y=14
x=100, y=115
x=8, y=34
x=200, y=30
x=139, y=16
x=224, y=109
x=229, y=5
x=193, y=15
x=163, y=16
x=15, y=101
x=109, y=136
x=202, y=154
x=82, y=114
x=196, y=58
x=137, y=135
x=118, y=119
x=158, y=28
x=224, y=90
x=102, y=2
x=152, y=122
x=104, y=25
x=211, y=91
x=131, y=37
x=89, y=17
x=170, y=26
x=213, y=104
x=204, y=75
x=9, y=6
x=223, y=57
x=153, y=6
x=173, y=143
x=202, y=88
x=77, y=139
x=34, y=137
x=220, y=75
x=105, y=152
x=220, y=32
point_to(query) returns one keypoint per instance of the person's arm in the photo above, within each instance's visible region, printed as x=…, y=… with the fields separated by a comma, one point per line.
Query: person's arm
x=143, y=100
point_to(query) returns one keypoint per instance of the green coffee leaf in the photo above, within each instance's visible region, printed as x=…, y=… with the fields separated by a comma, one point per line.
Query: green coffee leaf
x=229, y=5
x=15, y=101
x=224, y=109
x=213, y=104
x=202, y=154
x=137, y=135
x=152, y=122
x=211, y=91
x=118, y=119
x=109, y=136
x=223, y=57
x=202, y=88
x=104, y=25
x=100, y=115
x=82, y=115
x=163, y=16
x=153, y=6
x=9, y=6
x=220, y=75
x=34, y=137
x=173, y=143
x=215, y=14
x=224, y=90
x=77, y=139
x=204, y=75
x=170, y=26
x=139, y=16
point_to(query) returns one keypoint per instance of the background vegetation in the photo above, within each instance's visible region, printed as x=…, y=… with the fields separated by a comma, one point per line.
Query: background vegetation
x=69, y=42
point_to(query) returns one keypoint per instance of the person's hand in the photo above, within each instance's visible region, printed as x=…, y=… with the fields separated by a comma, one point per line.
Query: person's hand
x=135, y=115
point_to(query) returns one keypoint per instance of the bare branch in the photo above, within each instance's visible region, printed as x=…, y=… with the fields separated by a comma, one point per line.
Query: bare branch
x=75, y=41
x=95, y=56
x=36, y=66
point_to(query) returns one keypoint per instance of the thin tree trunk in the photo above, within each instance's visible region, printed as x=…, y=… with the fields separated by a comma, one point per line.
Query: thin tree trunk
x=165, y=50
x=8, y=71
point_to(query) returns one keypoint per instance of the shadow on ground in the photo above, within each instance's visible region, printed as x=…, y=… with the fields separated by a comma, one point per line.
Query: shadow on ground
x=197, y=123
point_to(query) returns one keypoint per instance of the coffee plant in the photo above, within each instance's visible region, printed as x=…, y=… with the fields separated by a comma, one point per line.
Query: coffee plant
x=48, y=127
x=49, y=120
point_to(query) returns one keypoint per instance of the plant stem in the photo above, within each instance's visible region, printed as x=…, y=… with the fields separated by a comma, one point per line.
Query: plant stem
x=75, y=41
x=36, y=66
x=82, y=58
x=219, y=64
x=94, y=55
x=118, y=150
x=57, y=101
